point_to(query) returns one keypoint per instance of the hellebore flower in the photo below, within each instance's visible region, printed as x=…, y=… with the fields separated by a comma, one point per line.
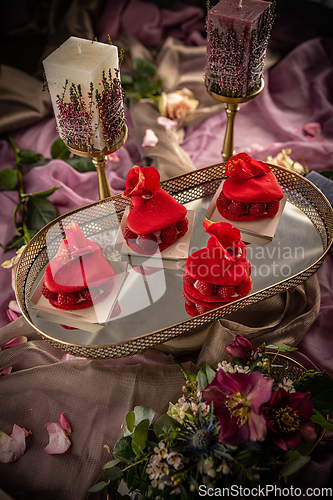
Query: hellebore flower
x=58, y=433
x=288, y=418
x=239, y=348
x=238, y=400
x=12, y=447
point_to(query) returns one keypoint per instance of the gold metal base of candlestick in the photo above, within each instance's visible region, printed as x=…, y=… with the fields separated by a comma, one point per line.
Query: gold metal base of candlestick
x=99, y=159
x=232, y=108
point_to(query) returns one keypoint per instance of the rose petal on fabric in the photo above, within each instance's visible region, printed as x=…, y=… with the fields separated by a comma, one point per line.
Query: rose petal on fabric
x=21, y=339
x=12, y=316
x=312, y=128
x=12, y=447
x=6, y=371
x=166, y=122
x=150, y=139
x=59, y=441
x=114, y=157
x=64, y=424
x=13, y=305
x=68, y=357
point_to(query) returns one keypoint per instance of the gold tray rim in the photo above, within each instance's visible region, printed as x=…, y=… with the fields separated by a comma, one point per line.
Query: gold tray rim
x=142, y=343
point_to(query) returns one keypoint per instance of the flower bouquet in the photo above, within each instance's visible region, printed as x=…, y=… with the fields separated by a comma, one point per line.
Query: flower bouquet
x=235, y=431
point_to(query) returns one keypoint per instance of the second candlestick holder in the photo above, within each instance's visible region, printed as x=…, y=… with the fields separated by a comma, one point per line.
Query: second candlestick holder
x=231, y=109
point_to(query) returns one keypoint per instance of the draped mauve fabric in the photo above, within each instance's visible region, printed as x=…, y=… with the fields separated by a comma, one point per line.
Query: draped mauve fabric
x=96, y=395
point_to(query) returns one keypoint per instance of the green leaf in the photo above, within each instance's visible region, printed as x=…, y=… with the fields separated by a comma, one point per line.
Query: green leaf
x=126, y=79
x=140, y=436
x=164, y=426
x=320, y=386
x=16, y=242
x=142, y=413
x=143, y=86
x=205, y=376
x=328, y=174
x=112, y=474
x=319, y=419
x=143, y=69
x=41, y=194
x=40, y=163
x=294, y=466
x=59, y=150
x=40, y=212
x=8, y=178
x=81, y=164
x=97, y=487
x=123, y=450
x=282, y=347
x=28, y=156
x=130, y=420
x=111, y=463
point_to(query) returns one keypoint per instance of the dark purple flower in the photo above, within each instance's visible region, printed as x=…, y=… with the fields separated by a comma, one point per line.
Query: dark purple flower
x=288, y=418
x=238, y=404
x=239, y=348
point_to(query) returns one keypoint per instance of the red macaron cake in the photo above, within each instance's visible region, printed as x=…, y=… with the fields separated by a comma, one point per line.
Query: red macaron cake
x=79, y=275
x=155, y=220
x=250, y=192
x=218, y=273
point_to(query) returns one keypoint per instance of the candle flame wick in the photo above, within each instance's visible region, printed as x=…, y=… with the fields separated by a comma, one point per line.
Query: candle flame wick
x=79, y=51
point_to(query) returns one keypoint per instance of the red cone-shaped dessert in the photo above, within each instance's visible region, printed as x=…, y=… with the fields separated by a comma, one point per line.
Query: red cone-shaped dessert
x=156, y=220
x=250, y=192
x=79, y=275
x=218, y=273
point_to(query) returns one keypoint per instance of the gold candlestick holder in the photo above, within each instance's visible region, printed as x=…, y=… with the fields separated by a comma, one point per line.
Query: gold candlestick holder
x=231, y=109
x=99, y=159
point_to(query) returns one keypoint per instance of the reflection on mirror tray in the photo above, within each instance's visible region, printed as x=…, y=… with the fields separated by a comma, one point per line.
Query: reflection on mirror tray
x=147, y=294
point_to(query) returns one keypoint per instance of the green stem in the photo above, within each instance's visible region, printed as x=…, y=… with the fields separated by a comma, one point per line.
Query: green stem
x=21, y=204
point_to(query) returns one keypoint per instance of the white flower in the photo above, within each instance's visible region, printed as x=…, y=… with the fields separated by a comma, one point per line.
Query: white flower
x=283, y=160
x=175, y=105
x=287, y=385
x=229, y=368
x=208, y=467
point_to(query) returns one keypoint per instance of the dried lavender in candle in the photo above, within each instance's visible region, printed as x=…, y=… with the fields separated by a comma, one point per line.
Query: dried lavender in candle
x=237, y=38
x=87, y=98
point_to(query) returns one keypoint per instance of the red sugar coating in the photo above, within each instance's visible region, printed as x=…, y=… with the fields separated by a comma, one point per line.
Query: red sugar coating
x=218, y=273
x=152, y=210
x=249, y=190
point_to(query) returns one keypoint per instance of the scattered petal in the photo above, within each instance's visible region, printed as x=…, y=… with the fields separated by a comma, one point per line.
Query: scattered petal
x=107, y=447
x=114, y=157
x=59, y=441
x=13, y=305
x=166, y=122
x=12, y=447
x=150, y=139
x=64, y=424
x=68, y=357
x=12, y=316
x=312, y=128
x=21, y=339
x=6, y=371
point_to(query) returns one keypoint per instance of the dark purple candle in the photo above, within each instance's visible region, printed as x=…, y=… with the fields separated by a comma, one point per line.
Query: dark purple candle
x=237, y=38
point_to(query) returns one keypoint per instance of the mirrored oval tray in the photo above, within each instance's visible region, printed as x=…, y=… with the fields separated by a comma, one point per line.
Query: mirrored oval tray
x=150, y=304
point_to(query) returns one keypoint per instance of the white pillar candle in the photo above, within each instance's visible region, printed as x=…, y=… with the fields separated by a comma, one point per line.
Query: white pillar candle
x=84, y=85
